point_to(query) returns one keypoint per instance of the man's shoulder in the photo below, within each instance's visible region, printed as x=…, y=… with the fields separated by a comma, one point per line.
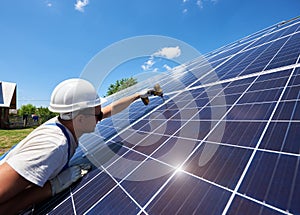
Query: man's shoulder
x=49, y=131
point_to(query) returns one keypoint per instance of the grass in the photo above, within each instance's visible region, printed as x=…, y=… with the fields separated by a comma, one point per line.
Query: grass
x=10, y=137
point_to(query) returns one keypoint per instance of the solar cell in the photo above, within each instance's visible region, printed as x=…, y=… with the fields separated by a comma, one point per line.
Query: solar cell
x=278, y=185
x=186, y=194
x=225, y=144
x=282, y=137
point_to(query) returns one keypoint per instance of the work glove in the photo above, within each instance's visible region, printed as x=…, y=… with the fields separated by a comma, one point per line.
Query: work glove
x=156, y=91
x=67, y=177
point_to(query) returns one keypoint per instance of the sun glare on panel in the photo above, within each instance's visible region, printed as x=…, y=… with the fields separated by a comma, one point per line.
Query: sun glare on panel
x=178, y=169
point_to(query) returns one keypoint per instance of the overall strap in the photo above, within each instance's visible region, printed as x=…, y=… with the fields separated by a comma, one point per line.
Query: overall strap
x=64, y=130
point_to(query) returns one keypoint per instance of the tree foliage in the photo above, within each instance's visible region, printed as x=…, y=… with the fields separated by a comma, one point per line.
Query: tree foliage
x=120, y=85
x=26, y=110
x=43, y=113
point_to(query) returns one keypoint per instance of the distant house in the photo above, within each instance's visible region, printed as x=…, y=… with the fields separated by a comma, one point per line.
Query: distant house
x=7, y=101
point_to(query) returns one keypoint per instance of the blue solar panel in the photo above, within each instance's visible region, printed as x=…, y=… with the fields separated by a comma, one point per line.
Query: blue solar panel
x=225, y=144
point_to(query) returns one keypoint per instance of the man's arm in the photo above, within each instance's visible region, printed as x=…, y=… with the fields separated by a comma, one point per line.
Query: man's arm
x=123, y=103
x=17, y=193
x=25, y=199
x=119, y=105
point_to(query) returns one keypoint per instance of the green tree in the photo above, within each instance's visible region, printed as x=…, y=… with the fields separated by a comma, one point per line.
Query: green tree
x=44, y=114
x=26, y=110
x=120, y=85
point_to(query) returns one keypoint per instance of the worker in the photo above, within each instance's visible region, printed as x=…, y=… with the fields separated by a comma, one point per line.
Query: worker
x=37, y=168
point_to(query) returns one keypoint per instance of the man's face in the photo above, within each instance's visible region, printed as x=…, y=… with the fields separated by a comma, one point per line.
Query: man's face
x=87, y=119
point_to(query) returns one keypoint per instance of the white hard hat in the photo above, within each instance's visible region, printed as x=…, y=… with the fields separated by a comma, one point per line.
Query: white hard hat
x=72, y=95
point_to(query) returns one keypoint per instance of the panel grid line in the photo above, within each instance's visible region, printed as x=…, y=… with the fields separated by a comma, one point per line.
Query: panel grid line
x=73, y=203
x=239, y=194
x=241, y=100
x=272, y=41
x=265, y=72
x=196, y=148
x=118, y=184
x=148, y=156
x=257, y=146
x=219, y=143
x=269, y=32
x=165, y=184
x=223, y=187
x=213, y=70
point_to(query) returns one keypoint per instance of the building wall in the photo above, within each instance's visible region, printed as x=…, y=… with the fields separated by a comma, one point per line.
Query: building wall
x=4, y=121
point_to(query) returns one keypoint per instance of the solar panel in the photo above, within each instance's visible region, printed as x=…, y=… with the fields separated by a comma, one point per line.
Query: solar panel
x=215, y=146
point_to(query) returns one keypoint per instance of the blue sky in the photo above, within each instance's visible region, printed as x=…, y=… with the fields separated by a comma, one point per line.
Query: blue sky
x=46, y=41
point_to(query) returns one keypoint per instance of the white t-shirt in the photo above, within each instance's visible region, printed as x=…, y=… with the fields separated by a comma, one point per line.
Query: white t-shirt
x=42, y=154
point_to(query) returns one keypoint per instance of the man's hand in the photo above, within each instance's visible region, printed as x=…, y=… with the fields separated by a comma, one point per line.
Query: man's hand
x=156, y=91
x=64, y=179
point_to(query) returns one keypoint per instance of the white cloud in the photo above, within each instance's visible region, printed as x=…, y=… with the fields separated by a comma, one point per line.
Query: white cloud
x=168, y=52
x=48, y=3
x=80, y=4
x=155, y=70
x=199, y=3
x=167, y=67
x=148, y=64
